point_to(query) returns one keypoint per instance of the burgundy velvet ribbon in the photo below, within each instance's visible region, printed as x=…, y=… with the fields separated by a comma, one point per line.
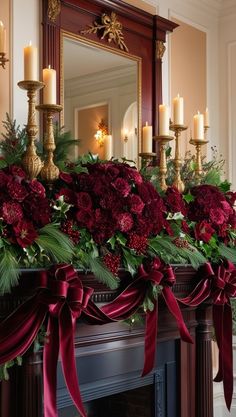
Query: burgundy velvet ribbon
x=219, y=284
x=61, y=296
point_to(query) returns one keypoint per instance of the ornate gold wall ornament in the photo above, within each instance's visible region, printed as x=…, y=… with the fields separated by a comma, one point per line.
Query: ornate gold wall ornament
x=160, y=49
x=54, y=8
x=112, y=29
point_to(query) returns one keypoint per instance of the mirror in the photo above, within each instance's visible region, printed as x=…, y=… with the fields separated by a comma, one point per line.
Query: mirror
x=101, y=93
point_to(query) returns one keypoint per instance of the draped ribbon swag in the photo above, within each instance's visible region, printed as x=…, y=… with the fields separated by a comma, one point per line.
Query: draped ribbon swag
x=61, y=297
x=219, y=284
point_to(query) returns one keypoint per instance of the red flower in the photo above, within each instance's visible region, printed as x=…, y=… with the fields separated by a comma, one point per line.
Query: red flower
x=38, y=209
x=174, y=201
x=122, y=186
x=25, y=233
x=17, y=191
x=125, y=222
x=69, y=195
x=85, y=218
x=17, y=171
x=84, y=201
x=231, y=196
x=11, y=212
x=4, y=179
x=37, y=188
x=66, y=177
x=217, y=216
x=136, y=204
x=203, y=231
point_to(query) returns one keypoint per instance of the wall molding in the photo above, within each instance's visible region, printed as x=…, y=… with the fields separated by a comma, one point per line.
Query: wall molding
x=230, y=76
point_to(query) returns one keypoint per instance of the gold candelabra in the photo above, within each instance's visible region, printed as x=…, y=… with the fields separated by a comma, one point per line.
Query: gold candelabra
x=49, y=171
x=146, y=158
x=198, y=143
x=177, y=129
x=3, y=59
x=31, y=161
x=163, y=140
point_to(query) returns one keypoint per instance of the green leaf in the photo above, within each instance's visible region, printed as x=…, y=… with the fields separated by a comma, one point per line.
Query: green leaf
x=9, y=272
x=3, y=163
x=227, y=252
x=212, y=177
x=112, y=242
x=131, y=261
x=188, y=197
x=225, y=186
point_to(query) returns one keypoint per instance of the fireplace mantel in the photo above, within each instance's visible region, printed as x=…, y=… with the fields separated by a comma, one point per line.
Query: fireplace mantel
x=106, y=342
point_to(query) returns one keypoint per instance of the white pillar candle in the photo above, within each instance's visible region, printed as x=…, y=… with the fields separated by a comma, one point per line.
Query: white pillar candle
x=50, y=89
x=3, y=38
x=198, y=126
x=164, y=120
x=147, y=139
x=206, y=118
x=30, y=63
x=178, y=110
x=108, y=147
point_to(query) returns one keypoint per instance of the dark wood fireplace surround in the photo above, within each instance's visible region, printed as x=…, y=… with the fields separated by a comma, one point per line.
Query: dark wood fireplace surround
x=22, y=395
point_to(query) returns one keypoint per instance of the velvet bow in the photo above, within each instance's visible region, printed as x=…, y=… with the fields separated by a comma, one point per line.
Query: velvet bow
x=61, y=296
x=219, y=284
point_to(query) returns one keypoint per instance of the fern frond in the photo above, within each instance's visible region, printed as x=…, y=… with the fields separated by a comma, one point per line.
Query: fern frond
x=9, y=271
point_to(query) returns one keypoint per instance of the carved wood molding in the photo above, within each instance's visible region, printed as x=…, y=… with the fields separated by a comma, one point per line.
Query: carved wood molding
x=160, y=49
x=112, y=30
x=54, y=8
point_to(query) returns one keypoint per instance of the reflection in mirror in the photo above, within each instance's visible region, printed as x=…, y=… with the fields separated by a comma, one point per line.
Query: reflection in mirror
x=101, y=89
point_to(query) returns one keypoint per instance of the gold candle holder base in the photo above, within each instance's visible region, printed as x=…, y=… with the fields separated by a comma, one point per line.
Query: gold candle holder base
x=31, y=161
x=198, y=143
x=163, y=140
x=146, y=158
x=177, y=129
x=49, y=171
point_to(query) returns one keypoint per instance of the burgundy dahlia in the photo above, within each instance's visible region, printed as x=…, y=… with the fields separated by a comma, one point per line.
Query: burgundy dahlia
x=17, y=191
x=203, y=231
x=25, y=233
x=125, y=222
x=11, y=212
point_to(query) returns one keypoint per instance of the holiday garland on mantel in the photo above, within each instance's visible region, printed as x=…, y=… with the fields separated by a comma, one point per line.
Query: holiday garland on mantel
x=102, y=215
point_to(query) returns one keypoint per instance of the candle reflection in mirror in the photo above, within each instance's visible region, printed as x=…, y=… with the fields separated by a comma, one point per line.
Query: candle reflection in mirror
x=101, y=133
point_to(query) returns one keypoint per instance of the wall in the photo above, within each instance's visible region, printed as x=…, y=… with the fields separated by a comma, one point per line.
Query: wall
x=5, y=91
x=188, y=74
x=228, y=88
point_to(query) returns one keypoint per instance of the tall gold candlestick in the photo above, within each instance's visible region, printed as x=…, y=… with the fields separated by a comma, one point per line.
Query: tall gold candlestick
x=50, y=171
x=31, y=161
x=146, y=158
x=178, y=183
x=198, y=143
x=3, y=60
x=163, y=140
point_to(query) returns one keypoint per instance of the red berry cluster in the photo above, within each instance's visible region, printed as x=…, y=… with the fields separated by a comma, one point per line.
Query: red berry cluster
x=181, y=243
x=70, y=229
x=138, y=243
x=112, y=262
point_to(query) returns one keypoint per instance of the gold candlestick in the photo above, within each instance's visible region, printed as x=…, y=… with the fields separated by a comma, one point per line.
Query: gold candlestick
x=163, y=140
x=3, y=59
x=198, y=143
x=146, y=158
x=31, y=161
x=178, y=183
x=50, y=171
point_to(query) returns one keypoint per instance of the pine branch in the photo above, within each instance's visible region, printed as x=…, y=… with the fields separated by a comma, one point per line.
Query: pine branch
x=101, y=273
x=55, y=243
x=9, y=271
x=227, y=252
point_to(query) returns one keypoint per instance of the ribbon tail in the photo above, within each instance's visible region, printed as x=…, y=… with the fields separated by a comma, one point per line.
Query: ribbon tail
x=199, y=294
x=173, y=307
x=18, y=331
x=67, y=330
x=222, y=317
x=150, y=339
x=50, y=358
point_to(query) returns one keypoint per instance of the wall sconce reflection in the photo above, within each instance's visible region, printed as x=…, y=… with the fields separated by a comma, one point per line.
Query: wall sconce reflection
x=126, y=135
x=101, y=133
x=3, y=38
